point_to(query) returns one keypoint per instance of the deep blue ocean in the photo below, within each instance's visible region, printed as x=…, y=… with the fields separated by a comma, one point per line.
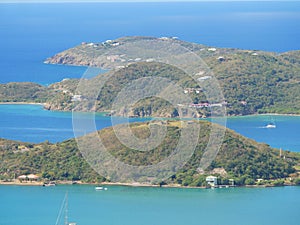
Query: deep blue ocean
x=29, y=33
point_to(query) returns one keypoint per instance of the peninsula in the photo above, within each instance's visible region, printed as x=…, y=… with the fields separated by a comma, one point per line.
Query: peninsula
x=251, y=81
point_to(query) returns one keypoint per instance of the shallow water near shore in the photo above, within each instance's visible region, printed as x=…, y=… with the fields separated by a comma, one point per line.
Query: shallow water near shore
x=147, y=206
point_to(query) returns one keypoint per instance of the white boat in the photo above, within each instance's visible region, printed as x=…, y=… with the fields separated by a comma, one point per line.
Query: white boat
x=64, y=208
x=271, y=122
x=100, y=188
x=271, y=125
x=52, y=183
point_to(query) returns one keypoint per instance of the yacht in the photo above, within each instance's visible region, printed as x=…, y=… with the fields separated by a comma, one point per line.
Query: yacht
x=271, y=125
x=100, y=188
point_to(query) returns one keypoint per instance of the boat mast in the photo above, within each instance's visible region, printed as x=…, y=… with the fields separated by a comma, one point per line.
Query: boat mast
x=66, y=209
x=63, y=210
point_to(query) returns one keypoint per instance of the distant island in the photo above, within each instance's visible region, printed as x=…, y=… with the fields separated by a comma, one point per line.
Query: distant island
x=252, y=81
x=240, y=160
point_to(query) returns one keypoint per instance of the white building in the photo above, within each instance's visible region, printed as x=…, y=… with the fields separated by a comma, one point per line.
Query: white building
x=212, y=49
x=212, y=181
x=204, y=78
x=76, y=98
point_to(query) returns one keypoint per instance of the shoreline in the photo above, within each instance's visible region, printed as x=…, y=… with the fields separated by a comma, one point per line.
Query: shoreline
x=21, y=103
x=263, y=114
x=276, y=114
x=136, y=184
x=18, y=183
x=233, y=116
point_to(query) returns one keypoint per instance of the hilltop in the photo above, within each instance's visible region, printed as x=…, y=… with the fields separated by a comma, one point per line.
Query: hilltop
x=239, y=158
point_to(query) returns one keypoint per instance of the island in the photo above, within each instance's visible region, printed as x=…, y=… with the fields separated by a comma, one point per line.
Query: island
x=239, y=162
x=251, y=81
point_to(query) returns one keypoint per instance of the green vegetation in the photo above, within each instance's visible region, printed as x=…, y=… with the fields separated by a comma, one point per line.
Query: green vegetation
x=24, y=92
x=239, y=158
x=61, y=161
x=251, y=81
x=251, y=84
x=268, y=83
x=151, y=106
x=297, y=181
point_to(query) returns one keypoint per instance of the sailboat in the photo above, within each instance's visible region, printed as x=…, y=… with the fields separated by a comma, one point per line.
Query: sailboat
x=64, y=209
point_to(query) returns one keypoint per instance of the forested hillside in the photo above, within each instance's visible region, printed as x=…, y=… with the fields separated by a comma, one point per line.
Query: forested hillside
x=251, y=81
x=239, y=158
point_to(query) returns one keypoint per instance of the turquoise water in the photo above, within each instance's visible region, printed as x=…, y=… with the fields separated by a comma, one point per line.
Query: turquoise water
x=33, y=124
x=151, y=206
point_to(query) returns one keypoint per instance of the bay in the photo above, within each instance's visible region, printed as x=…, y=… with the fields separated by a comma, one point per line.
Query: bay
x=147, y=206
x=286, y=135
x=32, y=123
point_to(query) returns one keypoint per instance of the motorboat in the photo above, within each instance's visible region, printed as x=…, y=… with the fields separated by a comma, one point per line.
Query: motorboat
x=271, y=125
x=99, y=188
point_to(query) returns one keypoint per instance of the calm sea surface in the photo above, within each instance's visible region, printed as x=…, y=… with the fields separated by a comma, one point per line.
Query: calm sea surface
x=151, y=206
x=33, y=124
x=30, y=33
